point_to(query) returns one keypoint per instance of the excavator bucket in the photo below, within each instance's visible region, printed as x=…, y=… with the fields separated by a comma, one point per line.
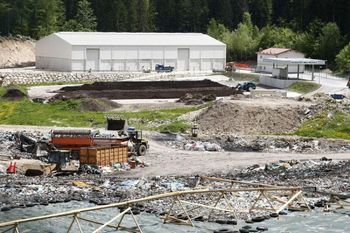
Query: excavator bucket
x=116, y=124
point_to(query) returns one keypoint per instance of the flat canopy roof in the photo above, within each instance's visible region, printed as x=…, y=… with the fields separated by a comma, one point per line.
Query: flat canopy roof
x=295, y=61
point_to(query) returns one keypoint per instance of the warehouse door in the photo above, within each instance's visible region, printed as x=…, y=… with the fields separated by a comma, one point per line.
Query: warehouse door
x=92, y=59
x=183, y=56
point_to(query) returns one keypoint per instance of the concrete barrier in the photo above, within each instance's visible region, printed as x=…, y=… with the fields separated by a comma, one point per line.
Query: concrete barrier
x=272, y=93
x=275, y=82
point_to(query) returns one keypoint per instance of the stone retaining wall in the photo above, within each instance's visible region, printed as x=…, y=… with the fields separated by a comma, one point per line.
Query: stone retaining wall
x=13, y=78
x=30, y=78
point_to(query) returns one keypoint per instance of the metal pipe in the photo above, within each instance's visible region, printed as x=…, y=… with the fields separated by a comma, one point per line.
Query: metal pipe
x=150, y=198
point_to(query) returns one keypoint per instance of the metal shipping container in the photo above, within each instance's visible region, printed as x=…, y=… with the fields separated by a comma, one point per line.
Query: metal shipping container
x=104, y=156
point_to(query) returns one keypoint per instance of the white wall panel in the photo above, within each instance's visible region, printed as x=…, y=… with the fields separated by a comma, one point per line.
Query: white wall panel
x=195, y=64
x=206, y=64
x=157, y=53
x=130, y=53
x=170, y=53
x=195, y=53
x=131, y=65
x=105, y=65
x=207, y=53
x=119, y=65
x=118, y=53
x=78, y=52
x=53, y=46
x=105, y=53
x=218, y=53
x=78, y=65
x=145, y=53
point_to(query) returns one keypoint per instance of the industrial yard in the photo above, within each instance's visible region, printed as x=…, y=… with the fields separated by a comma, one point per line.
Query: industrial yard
x=263, y=137
x=200, y=150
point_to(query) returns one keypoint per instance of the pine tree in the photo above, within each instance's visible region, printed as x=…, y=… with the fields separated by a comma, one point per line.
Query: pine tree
x=84, y=20
x=85, y=16
x=145, y=16
x=261, y=11
x=48, y=17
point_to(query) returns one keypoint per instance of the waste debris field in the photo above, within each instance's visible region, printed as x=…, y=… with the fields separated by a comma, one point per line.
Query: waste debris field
x=145, y=89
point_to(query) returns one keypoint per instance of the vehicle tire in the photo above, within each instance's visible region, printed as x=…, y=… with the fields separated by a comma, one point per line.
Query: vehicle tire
x=223, y=230
x=142, y=150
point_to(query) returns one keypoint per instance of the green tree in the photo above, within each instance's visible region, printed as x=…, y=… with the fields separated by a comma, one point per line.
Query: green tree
x=245, y=40
x=85, y=16
x=277, y=37
x=47, y=17
x=261, y=11
x=329, y=43
x=343, y=59
x=216, y=30
x=145, y=16
x=84, y=20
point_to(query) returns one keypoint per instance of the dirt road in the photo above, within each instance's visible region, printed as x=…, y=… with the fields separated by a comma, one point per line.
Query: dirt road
x=166, y=161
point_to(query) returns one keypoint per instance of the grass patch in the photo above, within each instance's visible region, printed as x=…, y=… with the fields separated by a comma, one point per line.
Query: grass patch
x=68, y=114
x=62, y=113
x=2, y=91
x=304, y=87
x=321, y=125
x=174, y=127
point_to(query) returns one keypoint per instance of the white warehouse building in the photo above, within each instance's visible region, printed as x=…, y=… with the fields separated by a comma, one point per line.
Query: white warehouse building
x=107, y=51
x=267, y=67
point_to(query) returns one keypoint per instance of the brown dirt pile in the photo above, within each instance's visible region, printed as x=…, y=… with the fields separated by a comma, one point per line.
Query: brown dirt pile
x=234, y=117
x=14, y=94
x=146, y=89
x=98, y=105
x=16, y=52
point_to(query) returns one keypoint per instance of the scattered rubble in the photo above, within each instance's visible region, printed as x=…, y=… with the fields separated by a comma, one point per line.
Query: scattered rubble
x=272, y=144
x=196, y=99
x=18, y=191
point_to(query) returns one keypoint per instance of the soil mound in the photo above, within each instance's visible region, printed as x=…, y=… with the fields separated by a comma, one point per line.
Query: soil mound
x=227, y=117
x=98, y=105
x=14, y=94
x=146, y=89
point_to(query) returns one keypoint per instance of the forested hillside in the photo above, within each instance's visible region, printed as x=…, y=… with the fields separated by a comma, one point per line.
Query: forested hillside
x=319, y=28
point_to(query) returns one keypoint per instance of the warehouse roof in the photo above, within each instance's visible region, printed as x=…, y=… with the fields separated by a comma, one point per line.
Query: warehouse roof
x=151, y=39
x=274, y=51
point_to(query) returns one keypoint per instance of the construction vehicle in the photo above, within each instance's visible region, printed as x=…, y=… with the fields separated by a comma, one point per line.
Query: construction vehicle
x=137, y=145
x=246, y=86
x=161, y=68
x=230, y=67
x=65, y=147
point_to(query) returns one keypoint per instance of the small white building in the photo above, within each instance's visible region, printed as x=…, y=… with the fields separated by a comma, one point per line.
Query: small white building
x=266, y=67
x=107, y=51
